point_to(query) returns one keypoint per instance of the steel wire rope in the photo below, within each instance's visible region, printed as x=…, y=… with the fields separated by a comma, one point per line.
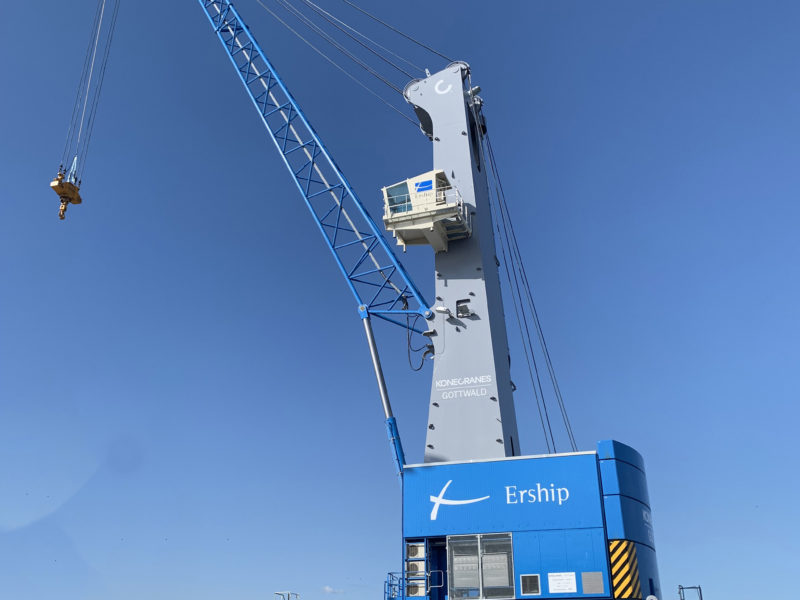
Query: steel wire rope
x=527, y=343
x=79, y=94
x=516, y=296
x=342, y=69
x=540, y=332
x=328, y=38
x=530, y=359
x=529, y=296
x=91, y=71
x=306, y=151
x=82, y=155
x=517, y=265
x=370, y=40
x=408, y=37
x=330, y=19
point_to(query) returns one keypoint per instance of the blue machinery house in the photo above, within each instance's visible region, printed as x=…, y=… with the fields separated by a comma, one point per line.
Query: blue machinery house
x=553, y=526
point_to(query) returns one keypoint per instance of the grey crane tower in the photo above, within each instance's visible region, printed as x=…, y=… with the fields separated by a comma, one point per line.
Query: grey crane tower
x=471, y=413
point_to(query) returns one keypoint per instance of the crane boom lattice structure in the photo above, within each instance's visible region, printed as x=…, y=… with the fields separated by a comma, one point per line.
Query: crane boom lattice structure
x=379, y=282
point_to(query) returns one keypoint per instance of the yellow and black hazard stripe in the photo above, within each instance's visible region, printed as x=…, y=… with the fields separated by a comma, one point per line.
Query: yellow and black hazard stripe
x=624, y=569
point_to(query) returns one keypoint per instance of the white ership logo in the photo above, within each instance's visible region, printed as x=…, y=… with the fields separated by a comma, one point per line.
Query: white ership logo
x=440, y=499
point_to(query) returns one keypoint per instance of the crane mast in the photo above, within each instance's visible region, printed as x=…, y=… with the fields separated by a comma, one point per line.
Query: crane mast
x=471, y=412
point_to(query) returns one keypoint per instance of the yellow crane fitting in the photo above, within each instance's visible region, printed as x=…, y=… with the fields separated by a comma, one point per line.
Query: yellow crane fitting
x=67, y=191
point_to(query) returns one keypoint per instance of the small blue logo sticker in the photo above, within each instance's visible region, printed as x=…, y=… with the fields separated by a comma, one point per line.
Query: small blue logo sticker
x=423, y=186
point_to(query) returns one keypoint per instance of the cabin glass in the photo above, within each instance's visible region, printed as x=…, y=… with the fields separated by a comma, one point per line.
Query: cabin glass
x=398, y=199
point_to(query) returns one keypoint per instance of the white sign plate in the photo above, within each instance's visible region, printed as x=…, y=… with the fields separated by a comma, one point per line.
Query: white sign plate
x=562, y=583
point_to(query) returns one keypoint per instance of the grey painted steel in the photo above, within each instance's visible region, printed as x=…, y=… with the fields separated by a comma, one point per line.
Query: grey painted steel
x=471, y=414
x=376, y=363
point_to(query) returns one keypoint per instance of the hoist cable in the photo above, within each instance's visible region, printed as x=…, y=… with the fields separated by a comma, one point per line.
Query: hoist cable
x=527, y=346
x=370, y=40
x=79, y=95
x=91, y=72
x=529, y=296
x=335, y=64
x=329, y=19
x=98, y=88
x=408, y=37
x=522, y=322
x=530, y=359
x=536, y=379
x=319, y=31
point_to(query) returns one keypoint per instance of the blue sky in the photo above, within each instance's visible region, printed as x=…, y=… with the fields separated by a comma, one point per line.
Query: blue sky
x=187, y=408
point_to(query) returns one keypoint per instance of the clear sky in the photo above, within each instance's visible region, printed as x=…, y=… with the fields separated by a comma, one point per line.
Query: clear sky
x=187, y=408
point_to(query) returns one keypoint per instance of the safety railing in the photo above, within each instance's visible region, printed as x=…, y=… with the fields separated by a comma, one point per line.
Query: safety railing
x=422, y=201
x=393, y=588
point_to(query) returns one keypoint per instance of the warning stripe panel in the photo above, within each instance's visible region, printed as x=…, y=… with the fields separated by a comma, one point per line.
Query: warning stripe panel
x=624, y=569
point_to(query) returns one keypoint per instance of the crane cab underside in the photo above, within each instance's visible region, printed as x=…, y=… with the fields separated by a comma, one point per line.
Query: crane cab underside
x=571, y=526
x=426, y=209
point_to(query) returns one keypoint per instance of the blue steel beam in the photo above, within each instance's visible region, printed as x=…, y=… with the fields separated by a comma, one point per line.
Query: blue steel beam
x=380, y=284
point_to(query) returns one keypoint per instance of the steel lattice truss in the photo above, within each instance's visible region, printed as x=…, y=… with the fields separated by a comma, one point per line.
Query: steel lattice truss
x=377, y=279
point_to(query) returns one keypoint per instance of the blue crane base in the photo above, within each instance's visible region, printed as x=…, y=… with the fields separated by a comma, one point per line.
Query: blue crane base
x=574, y=525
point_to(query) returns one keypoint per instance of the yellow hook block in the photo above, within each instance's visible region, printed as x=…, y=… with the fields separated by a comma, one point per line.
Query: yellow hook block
x=67, y=191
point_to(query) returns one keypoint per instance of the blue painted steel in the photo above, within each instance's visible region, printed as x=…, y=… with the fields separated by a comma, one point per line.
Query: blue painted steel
x=423, y=186
x=627, y=507
x=617, y=450
x=561, y=510
x=376, y=278
x=397, y=448
x=561, y=551
x=518, y=494
x=551, y=505
x=625, y=496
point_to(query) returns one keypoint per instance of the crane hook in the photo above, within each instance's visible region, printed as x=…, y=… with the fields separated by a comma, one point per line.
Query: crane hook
x=68, y=192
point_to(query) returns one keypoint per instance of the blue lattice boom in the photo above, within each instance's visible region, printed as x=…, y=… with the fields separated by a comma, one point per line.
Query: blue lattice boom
x=380, y=284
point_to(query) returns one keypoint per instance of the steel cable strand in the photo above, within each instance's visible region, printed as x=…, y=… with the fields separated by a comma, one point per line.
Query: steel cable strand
x=325, y=16
x=516, y=289
x=339, y=67
x=370, y=40
x=79, y=95
x=320, y=32
x=408, y=37
x=521, y=267
x=527, y=344
x=91, y=72
x=540, y=332
x=98, y=88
